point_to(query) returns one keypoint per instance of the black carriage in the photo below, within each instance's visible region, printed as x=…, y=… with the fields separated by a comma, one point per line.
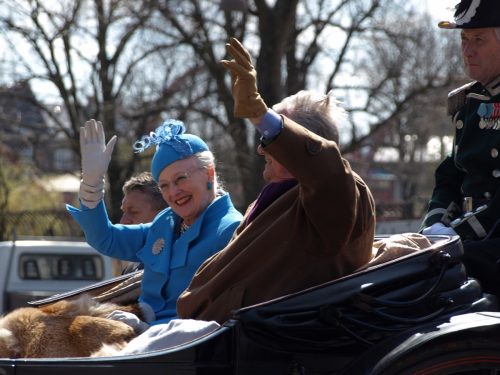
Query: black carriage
x=417, y=314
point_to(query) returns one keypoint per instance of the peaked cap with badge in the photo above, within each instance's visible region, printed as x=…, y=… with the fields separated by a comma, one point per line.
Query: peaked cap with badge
x=466, y=196
x=473, y=14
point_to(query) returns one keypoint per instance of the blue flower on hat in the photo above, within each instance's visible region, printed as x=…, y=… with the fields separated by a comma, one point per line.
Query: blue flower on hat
x=168, y=133
x=172, y=144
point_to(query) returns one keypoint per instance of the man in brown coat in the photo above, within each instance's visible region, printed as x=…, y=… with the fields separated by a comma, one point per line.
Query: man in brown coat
x=312, y=223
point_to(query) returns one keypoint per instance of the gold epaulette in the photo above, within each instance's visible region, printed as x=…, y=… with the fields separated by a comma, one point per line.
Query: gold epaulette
x=456, y=98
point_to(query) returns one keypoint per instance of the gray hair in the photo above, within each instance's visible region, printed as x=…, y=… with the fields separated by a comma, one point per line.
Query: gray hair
x=318, y=113
x=206, y=159
x=145, y=183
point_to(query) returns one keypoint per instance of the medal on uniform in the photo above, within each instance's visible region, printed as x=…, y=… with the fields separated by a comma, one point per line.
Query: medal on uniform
x=489, y=114
x=158, y=246
x=496, y=116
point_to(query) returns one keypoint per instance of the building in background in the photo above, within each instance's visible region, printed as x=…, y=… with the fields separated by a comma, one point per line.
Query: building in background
x=29, y=135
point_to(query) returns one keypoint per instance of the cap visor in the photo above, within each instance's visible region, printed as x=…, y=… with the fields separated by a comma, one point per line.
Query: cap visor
x=447, y=25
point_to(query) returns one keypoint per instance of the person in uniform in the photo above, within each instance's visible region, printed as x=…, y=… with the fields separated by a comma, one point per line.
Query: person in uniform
x=466, y=196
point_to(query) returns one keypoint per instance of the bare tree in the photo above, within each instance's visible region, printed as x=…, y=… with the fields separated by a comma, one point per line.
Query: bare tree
x=92, y=53
x=378, y=56
x=411, y=66
x=150, y=59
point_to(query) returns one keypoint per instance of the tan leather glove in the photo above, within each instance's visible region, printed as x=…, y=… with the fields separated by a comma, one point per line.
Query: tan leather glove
x=247, y=100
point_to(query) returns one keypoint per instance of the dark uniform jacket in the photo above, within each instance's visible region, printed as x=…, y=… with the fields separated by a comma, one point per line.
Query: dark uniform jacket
x=467, y=195
x=319, y=230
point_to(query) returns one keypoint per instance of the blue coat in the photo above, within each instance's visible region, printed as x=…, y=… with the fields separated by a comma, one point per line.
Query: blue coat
x=169, y=264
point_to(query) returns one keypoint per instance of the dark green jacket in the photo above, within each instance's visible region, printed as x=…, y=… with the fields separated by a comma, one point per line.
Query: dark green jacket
x=473, y=168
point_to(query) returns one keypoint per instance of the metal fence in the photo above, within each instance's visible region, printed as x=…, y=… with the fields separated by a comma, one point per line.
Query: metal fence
x=38, y=223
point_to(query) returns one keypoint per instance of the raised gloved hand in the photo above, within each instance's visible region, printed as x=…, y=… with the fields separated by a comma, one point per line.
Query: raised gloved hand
x=247, y=100
x=96, y=156
x=439, y=228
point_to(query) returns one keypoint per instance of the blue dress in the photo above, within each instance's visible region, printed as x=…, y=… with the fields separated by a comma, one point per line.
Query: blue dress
x=169, y=263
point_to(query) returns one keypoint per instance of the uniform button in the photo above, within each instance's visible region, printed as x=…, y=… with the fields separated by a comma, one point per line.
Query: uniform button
x=494, y=153
x=496, y=173
x=459, y=124
x=314, y=147
x=487, y=195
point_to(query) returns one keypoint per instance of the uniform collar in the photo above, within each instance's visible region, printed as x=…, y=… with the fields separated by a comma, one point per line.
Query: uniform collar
x=493, y=87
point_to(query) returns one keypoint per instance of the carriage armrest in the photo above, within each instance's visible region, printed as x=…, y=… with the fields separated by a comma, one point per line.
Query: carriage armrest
x=120, y=289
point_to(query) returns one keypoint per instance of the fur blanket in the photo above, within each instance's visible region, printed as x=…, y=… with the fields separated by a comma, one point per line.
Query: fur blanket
x=75, y=328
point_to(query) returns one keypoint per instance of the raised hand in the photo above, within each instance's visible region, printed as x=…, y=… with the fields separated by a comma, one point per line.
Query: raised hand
x=96, y=155
x=247, y=100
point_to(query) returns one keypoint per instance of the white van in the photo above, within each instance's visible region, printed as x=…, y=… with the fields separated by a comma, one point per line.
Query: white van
x=35, y=269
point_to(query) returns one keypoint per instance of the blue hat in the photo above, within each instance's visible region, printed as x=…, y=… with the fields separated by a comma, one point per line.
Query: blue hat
x=471, y=14
x=171, y=145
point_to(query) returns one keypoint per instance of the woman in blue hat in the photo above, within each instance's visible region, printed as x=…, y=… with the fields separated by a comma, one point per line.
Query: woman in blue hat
x=199, y=222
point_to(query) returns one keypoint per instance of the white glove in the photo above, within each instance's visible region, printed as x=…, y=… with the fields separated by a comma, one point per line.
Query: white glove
x=130, y=319
x=96, y=156
x=439, y=228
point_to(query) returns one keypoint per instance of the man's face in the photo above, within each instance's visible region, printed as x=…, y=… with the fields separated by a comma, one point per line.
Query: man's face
x=481, y=54
x=137, y=208
x=273, y=170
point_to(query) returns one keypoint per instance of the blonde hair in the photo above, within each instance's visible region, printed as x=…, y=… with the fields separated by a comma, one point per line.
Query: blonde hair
x=145, y=183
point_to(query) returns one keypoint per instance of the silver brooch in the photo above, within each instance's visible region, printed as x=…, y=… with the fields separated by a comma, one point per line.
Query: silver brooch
x=158, y=246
